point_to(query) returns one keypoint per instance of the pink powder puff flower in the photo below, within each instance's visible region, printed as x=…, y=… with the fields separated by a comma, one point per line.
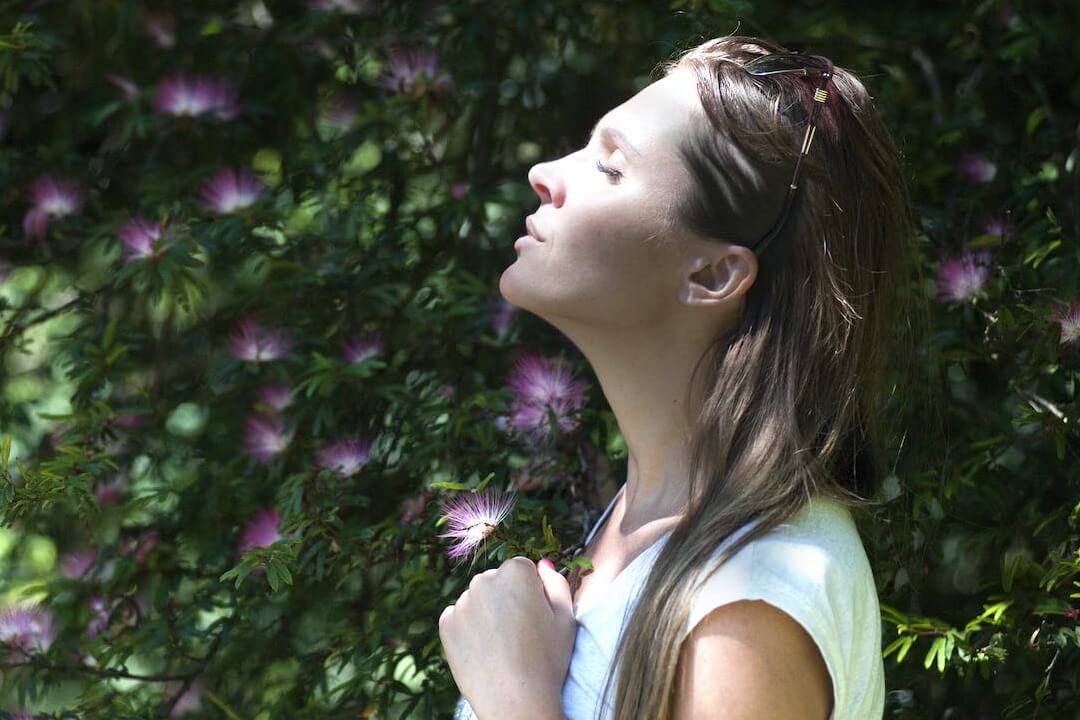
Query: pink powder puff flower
x=265, y=436
x=250, y=342
x=111, y=493
x=412, y=70
x=190, y=701
x=230, y=190
x=346, y=456
x=127, y=86
x=139, y=237
x=1069, y=319
x=345, y=7
x=540, y=385
x=102, y=611
x=52, y=198
x=963, y=277
x=26, y=629
x=145, y=543
x=502, y=316
x=339, y=112
x=412, y=508
x=162, y=28
x=190, y=96
x=999, y=226
x=976, y=168
x=263, y=530
x=275, y=397
x=362, y=346
x=472, y=517
x=76, y=563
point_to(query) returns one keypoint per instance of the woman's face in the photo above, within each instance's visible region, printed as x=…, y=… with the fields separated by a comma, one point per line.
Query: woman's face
x=604, y=259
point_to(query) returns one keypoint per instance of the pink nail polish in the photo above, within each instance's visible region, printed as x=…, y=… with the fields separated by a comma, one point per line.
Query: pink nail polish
x=545, y=561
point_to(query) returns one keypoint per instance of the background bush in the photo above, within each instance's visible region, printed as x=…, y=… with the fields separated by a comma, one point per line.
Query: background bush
x=252, y=340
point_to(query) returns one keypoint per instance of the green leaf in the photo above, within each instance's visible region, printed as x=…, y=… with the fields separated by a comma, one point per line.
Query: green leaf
x=903, y=642
x=1034, y=119
x=485, y=481
x=447, y=485
x=278, y=574
x=549, y=536
x=935, y=648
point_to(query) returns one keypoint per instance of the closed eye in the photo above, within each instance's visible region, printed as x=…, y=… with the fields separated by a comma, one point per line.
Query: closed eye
x=609, y=171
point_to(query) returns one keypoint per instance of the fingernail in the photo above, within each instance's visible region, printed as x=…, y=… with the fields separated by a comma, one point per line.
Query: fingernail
x=545, y=561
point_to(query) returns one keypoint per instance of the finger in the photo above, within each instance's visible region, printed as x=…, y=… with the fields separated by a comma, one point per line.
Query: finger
x=557, y=589
x=444, y=616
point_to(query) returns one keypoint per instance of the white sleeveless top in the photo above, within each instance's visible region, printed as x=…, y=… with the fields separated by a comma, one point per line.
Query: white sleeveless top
x=813, y=567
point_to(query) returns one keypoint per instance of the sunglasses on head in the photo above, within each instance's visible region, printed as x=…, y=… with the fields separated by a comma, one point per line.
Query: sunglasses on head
x=801, y=64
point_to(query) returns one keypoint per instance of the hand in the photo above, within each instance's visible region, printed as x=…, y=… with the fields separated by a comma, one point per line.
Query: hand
x=509, y=638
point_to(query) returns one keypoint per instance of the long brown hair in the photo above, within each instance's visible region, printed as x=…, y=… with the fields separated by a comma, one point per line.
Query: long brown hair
x=798, y=386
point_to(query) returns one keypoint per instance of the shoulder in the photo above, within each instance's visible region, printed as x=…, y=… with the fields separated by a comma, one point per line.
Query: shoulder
x=798, y=602
x=749, y=659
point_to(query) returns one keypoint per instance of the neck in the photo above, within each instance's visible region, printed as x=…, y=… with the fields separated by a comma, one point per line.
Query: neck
x=644, y=376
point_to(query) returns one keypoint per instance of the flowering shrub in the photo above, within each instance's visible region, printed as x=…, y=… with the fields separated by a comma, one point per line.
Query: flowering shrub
x=261, y=397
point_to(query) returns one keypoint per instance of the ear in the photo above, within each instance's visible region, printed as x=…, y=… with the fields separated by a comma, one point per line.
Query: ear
x=722, y=275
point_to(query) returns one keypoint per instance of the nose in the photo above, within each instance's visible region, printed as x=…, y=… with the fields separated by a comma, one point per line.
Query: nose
x=546, y=184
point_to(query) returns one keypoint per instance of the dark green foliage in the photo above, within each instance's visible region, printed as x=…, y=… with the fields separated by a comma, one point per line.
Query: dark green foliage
x=400, y=223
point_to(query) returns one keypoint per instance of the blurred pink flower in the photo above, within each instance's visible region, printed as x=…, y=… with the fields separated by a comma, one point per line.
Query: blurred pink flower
x=539, y=385
x=146, y=542
x=362, y=346
x=998, y=225
x=20, y=714
x=102, y=610
x=502, y=316
x=190, y=96
x=459, y=190
x=345, y=7
x=263, y=530
x=230, y=190
x=26, y=629
x=472, y=516
x=161, y=27
x=976, y=168
x=412, y=508
x=275, y=397
x=111, y=493
x=961, y=278
x=265, y=436
x=127, y=86
x=52, y=198
x=139, y=237
x=339, y=111
x=249, y=341
x=447, y=391
x=190, y=701
x=346, y=456
x=74, y=564
x=413, y=70
x=1069, y=319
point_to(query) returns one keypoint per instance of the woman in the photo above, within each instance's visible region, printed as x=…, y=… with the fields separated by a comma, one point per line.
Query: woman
x=725, y=251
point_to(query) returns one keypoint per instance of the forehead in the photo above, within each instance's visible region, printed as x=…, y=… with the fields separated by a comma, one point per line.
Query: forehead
x=660, y=113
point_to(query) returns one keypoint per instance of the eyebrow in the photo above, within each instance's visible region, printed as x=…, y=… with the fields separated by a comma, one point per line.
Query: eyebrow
x=614, y=134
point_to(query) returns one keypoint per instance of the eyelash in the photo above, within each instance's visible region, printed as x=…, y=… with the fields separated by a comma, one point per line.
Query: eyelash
x=612, y=172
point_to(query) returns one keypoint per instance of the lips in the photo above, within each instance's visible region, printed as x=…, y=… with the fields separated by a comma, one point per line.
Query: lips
x=531, y=228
